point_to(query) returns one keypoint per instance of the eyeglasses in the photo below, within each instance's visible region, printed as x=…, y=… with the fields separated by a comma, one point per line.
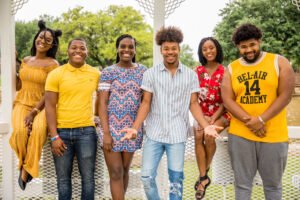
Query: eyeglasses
x=46, y=40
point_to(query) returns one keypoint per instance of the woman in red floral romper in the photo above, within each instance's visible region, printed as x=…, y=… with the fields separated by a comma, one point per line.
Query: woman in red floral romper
x=210, y=76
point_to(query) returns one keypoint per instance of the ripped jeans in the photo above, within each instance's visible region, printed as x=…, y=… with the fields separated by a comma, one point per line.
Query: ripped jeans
x=152, y=154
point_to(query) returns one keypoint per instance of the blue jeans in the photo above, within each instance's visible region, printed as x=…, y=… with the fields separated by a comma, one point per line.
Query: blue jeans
x=82, y=143
x=152, y=154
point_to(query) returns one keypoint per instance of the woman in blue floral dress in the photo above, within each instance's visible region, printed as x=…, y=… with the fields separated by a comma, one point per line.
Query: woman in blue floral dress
x=119, y=99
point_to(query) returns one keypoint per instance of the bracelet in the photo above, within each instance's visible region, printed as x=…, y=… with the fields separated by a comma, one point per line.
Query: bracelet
x=54, y=138
x=261, y=120
x=36, y=109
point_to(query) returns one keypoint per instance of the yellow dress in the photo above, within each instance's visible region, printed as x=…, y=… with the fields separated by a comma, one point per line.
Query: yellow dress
x=29, y=147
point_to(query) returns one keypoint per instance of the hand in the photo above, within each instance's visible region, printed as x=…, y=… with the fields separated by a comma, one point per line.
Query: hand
x=130, y=134
x=29, y=119
x=29, y=129
x=211, y=131
x=28, y=122
x=254, y=124
x=58, y=147
x=261, y=132
x=107, y=142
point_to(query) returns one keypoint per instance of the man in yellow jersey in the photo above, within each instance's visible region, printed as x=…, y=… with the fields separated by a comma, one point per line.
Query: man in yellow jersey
x=256, y=89
x=69, y=113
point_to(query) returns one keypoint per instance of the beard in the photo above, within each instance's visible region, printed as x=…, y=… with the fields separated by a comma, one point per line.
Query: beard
x=253, y=60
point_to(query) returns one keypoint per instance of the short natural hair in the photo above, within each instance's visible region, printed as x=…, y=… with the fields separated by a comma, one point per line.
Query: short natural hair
x=168, y=34
x=75, y=39
x=245, y=32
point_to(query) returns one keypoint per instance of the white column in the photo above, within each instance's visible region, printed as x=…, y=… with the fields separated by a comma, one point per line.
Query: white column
x=158, y=22
x=7, y=42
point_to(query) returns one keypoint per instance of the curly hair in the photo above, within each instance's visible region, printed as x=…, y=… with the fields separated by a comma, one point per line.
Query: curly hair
x=246, y=32
x=119, y=39
x=219, y=56
x=54, y=33
x=168, y=34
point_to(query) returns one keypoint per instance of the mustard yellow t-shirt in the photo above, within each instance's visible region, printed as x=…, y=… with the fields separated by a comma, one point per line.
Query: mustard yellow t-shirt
x=75, y=88
x=255, y=88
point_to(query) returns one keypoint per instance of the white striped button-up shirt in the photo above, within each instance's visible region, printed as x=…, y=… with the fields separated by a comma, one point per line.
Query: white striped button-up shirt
x=168, y=119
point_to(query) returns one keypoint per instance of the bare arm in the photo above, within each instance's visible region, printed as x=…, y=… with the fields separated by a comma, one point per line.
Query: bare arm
x=217, y=114
x=96, y=108
x=51, y=99
x=18, y=80
x=41, y=103
x=96, y=111
x=50, y=108
x=210, y=130
x=229, y=99
x=102, y=99
x=285, y=89
x=197, y=111
x=33, y=113
x=143, y=111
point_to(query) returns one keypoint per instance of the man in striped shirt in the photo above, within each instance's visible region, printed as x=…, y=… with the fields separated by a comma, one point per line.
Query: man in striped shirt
x=170, y=91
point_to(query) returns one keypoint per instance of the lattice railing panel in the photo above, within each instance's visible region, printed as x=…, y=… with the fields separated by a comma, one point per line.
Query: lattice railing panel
x=222, y=175
x=17, y=5
x=170, y=6
x=44, y=187
x=296, y=3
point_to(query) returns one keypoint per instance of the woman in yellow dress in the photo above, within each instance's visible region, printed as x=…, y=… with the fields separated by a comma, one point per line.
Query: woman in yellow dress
x=28, y=117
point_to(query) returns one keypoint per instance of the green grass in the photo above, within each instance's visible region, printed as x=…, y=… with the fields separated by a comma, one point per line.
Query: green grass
x=216, y=192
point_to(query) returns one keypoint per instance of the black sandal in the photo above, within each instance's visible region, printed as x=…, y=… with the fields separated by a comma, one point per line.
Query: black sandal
x=22, y=183
x=201, y=193
x=197, y=183
x=29, y=178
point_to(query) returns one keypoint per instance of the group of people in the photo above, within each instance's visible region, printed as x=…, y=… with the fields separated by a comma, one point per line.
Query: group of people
x=249, y=96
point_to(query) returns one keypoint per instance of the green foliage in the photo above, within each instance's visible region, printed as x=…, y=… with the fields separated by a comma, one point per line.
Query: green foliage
x=186, y=56
x=101, y=30
x=278, y=19
x=25, y=33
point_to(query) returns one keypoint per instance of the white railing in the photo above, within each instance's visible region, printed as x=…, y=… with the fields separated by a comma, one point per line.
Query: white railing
x=44, y=187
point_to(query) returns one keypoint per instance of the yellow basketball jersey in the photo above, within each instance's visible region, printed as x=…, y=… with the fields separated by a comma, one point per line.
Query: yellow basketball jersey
x=255, y=87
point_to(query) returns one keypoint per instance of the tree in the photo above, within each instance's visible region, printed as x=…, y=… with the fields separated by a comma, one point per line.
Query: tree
x=25, y=32
x=278, y=19
x=100, y=30
x=186, y=56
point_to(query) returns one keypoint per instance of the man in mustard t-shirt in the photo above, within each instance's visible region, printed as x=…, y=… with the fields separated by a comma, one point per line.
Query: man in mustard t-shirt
x=69, y=112
x=256, y=89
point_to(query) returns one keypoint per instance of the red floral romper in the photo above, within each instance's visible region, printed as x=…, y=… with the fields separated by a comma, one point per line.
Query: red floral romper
x=210, y=91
